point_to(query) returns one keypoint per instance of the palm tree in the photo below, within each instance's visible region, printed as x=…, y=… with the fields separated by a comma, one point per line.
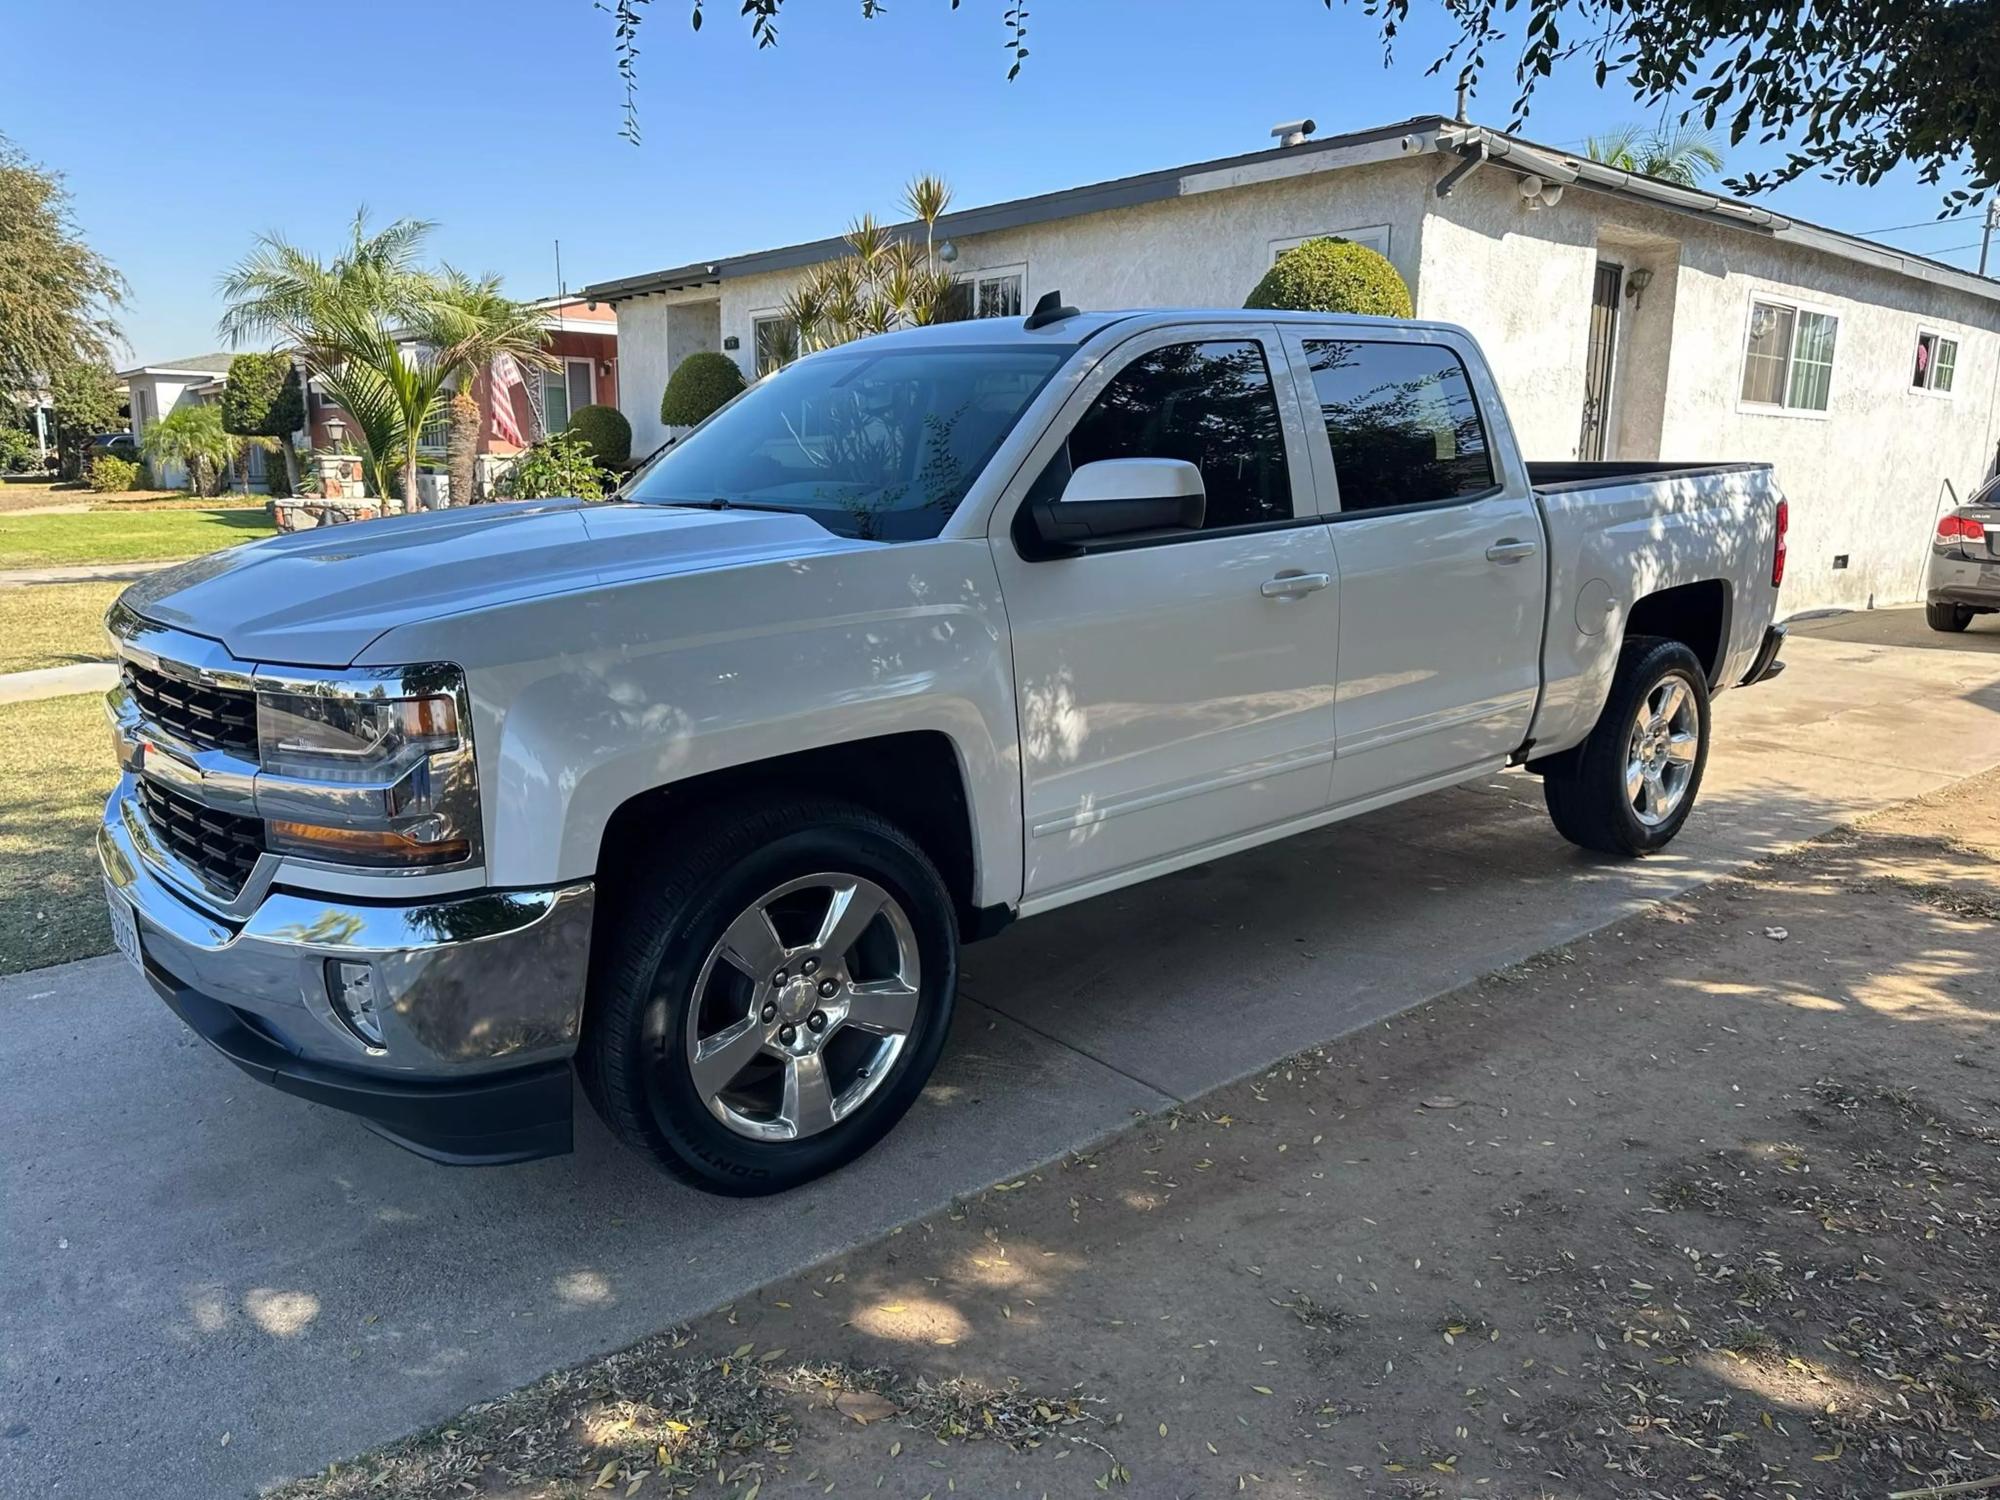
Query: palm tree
x=470, y=323
x=340, y=317
x=192, y=438
x=1680, y=154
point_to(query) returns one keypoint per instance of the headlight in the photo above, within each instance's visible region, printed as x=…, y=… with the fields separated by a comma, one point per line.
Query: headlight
x=369, y=769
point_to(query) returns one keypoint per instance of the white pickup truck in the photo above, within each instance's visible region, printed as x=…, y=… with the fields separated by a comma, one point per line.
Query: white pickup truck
x=700, y=791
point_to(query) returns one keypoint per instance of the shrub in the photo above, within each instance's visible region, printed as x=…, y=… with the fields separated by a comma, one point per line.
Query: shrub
x=557, y=467
x=697, y=387
x=605, y=432
x=85, y=398
x=113, y=476
x=1334, y=276
x=17, y=450
x=261, y=397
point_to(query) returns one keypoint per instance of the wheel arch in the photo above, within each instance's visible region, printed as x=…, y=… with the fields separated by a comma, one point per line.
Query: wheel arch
x=1695, y=614
x=916, y=779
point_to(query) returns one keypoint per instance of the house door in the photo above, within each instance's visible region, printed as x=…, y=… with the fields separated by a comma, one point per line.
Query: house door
x=1598, y=359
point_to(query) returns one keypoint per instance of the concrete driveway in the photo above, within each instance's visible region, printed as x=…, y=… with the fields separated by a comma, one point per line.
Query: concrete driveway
x=209, y=1286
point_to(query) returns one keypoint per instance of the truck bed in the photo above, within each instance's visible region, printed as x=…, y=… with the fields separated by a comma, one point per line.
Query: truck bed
x=1573, y=473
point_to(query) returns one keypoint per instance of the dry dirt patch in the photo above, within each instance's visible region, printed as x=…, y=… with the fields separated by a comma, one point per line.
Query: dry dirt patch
x=1707, y=1204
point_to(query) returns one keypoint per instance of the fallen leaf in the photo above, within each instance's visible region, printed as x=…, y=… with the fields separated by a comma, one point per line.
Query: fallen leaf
x=1442, y=1101
x=864, y=1406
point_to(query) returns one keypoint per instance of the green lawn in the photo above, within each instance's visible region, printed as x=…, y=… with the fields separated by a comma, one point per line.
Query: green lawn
x=53, y=780
x=53, y=624
x=110, y=537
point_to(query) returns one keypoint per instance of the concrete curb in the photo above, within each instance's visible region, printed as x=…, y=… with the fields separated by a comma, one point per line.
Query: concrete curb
x=57, y=682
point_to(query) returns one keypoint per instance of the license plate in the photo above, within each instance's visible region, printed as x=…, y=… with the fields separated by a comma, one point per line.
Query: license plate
x=124, y=930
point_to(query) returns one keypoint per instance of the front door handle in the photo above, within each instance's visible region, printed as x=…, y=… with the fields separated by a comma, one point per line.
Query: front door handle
x=1292, y=585
x=1510, y=550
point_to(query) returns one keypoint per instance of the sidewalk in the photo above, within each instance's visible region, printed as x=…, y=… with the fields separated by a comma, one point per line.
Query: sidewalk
x=1706, y=1204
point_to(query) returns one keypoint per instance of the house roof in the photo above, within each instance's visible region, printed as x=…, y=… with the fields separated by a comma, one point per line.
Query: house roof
x=196, y=364
x=1421, y=135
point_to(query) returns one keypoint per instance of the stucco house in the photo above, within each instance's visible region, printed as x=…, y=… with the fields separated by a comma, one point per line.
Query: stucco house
x=1625, y=317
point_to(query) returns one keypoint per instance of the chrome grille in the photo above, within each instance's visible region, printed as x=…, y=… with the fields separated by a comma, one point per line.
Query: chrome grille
x=222, y=846
x=209, y=718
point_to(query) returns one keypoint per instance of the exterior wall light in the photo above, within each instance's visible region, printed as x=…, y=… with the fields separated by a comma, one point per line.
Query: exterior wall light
x=1636, y=282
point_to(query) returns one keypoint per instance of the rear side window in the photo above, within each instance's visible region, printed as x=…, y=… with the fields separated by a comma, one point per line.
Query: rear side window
x=1209, y=403
x=1403, y=423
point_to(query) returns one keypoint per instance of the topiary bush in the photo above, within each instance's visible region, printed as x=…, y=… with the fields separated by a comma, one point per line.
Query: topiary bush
x=1334, y=276
x=702, y=383
x=113, y=476
x=605, y=432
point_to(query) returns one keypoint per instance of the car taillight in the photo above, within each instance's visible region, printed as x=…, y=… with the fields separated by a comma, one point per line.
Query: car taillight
x=1954, y=527
x=1778, y=548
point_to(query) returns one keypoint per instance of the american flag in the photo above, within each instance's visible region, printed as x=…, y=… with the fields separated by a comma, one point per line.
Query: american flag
x=504, y=376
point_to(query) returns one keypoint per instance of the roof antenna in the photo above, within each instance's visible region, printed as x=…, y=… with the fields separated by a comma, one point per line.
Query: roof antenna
x=1049, y=310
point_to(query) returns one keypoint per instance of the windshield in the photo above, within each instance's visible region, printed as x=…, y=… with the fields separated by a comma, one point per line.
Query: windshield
x=879, y=444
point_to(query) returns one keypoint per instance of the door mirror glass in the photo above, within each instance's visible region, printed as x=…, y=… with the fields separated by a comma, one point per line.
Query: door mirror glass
x=1120, y=497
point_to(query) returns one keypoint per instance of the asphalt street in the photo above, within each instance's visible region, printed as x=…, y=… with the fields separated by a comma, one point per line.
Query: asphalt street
x=209, y=1286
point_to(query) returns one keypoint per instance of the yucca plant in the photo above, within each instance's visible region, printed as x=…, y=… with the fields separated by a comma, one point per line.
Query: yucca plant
x=886, y=280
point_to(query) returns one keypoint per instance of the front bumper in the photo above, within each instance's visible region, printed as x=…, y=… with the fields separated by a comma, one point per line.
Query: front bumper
x=481, y=996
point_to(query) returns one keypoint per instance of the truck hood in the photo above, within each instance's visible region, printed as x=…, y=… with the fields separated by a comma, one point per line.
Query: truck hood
x=318, y=598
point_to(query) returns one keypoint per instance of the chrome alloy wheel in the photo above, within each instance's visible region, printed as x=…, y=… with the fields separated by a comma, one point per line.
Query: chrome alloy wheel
x=803, y=1006
x=1660, y=755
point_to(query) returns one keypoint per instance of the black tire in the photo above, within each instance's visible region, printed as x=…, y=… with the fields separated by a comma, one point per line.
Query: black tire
x=1587, y=795
x=1949, y=618
x=677, y=904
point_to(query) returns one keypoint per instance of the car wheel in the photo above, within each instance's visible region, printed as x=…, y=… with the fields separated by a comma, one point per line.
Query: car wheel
x=775, y=993
x=1631, y=785
x=1950, y=618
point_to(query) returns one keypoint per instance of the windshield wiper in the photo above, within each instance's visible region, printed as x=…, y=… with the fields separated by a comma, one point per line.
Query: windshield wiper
x=719, y=503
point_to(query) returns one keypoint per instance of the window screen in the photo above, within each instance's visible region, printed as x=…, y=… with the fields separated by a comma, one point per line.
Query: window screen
x=1210, y=404
x=1402, y=422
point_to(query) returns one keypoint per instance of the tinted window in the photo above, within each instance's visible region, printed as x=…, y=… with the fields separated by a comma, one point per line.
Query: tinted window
x=871, y=443
x=1210, y=404
x=1403, y=423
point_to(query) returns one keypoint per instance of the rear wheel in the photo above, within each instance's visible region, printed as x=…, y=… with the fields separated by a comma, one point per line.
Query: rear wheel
x=776, y=997
x=1950, y=618
x=1630, y=786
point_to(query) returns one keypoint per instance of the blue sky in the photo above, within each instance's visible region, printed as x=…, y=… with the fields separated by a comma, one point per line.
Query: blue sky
x=205, y=122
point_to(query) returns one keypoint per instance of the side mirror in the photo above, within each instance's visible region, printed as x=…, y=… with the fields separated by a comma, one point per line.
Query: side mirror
x=1119, y=497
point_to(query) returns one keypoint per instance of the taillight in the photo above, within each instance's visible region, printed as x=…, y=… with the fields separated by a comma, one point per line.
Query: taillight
x=1954, y=527
x=1778, y=549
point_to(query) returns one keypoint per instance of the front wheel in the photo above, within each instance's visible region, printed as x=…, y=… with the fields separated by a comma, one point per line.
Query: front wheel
x=1949, y=618
x=1631, y=785
x=774, y=999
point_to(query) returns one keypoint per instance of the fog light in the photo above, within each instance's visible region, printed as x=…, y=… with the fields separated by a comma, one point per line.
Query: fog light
x=356, y=1000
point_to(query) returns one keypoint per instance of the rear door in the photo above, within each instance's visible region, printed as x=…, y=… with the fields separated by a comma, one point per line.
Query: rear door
x=1175, y=693
x=1441, y=557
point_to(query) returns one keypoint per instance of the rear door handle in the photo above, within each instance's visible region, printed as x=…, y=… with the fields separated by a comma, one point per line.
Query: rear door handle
x=1510, y=550
x=1292, y=585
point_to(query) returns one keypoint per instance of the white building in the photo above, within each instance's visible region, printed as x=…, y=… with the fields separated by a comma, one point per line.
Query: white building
x=1625, y=317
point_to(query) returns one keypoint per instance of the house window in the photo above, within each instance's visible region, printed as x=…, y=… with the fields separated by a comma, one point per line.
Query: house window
x=571, y=385
x=1788, y=356
x=775, y=340
x=986, y=294
x=1374, y=236
x=1936, y=364
x=436, y=431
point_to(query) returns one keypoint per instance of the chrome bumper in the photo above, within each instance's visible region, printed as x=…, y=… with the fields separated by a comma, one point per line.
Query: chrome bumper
x=471, y=984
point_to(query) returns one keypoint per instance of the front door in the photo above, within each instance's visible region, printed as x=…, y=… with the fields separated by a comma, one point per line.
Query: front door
x=1441, y=566
x=1175, y=693
x=1598, y=358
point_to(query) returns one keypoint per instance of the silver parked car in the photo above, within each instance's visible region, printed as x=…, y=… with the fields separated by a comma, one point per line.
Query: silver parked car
x=1964, y=575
